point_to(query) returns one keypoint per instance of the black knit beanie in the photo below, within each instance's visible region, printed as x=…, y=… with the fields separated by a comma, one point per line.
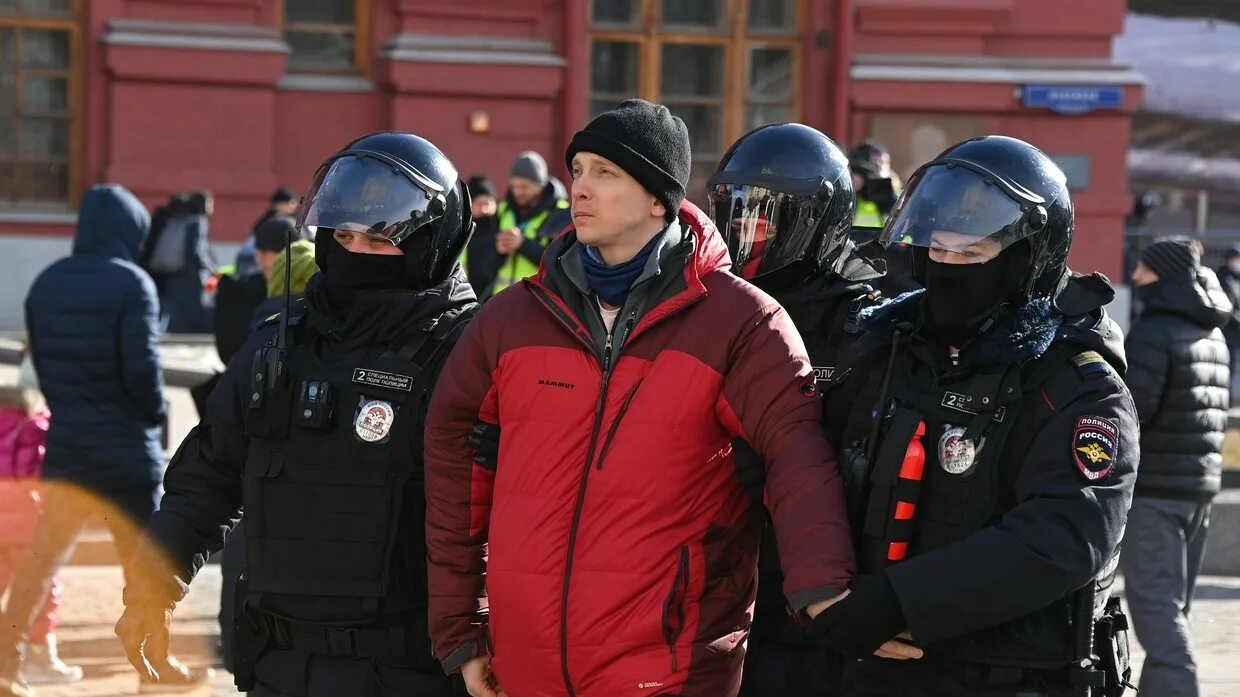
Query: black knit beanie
x=1172, y=257
x=646, y=141
x=480, y=185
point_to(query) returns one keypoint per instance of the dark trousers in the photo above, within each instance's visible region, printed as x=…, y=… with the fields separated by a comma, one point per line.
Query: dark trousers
x=1164, y=545
x=774, y=669
x=877, y=677
x=66, y=508
x=292, y=673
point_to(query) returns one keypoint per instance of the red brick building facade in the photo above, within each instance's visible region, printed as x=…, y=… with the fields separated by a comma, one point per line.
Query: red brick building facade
x=240, y=96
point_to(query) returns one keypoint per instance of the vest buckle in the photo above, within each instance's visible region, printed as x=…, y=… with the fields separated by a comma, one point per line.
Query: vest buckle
x=341, y=643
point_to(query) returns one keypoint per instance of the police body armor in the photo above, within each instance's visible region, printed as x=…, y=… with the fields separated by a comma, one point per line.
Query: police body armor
x=334, y=504
x=974, y=429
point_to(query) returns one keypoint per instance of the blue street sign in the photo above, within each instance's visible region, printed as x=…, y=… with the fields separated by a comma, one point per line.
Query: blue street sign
x=1072, y=100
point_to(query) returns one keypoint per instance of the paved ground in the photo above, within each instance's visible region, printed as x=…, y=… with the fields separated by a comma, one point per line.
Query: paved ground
x=1216, y=632
x=92, y=604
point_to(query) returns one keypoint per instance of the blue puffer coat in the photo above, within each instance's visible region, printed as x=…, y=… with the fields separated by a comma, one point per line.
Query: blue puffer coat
x=93, y=320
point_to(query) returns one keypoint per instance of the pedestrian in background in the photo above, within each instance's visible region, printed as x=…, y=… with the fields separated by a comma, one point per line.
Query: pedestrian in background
x=1179, y=374
x=284, y=202
x=93, y=323
x=482, y=260
x=23, y=435
x=182, y=265
x=533, y=197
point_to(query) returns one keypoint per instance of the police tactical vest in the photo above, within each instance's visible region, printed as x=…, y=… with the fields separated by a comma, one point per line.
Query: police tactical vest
x=977, y=429
x=323, y=505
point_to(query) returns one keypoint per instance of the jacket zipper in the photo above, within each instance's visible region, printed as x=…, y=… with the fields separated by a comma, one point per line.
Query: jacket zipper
x=615, y=424
x=674, y=606
x=577, y=508
x=606, y=364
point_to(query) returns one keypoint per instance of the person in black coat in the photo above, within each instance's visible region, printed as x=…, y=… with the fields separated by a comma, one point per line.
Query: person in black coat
x=990, y=458
x=482, y=262
x=315, y=429
x=237, y=297
x=782, y=198
x=1179, y=374
x=284, y=202
x=93, y=322
x=185, y=302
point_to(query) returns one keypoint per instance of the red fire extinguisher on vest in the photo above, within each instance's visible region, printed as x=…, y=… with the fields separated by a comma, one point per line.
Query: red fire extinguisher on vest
x=907, y=494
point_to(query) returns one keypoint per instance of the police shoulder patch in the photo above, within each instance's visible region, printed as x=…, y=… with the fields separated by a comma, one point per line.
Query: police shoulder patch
x=1090, y=364
x=1095, y=446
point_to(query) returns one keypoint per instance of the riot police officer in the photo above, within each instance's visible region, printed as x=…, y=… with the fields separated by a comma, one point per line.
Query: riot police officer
x=783, y=200
x=992, y=459
x=316, y=428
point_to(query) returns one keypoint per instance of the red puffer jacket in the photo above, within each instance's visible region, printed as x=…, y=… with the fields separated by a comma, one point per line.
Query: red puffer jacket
x=622, y=550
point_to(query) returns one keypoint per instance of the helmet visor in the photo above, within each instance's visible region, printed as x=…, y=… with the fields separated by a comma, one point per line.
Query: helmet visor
x=765, y=229
x=960, y=212
x=371, y=194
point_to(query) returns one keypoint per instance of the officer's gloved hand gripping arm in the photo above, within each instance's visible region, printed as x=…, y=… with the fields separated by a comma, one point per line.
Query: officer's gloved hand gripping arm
x=458, y=501
x=201, y=503
x=1065, y=527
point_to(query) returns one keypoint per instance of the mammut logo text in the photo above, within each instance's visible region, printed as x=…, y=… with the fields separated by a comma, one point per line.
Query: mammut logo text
x=556, y=383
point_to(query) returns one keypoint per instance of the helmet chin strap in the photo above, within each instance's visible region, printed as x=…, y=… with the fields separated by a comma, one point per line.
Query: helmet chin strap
x=984, y=321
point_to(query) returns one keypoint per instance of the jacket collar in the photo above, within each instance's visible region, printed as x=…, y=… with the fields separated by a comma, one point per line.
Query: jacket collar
x=691, y=250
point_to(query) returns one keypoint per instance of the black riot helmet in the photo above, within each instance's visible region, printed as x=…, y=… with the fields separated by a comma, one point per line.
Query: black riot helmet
x=398, y=187
x=992, y=188
x=783, y=197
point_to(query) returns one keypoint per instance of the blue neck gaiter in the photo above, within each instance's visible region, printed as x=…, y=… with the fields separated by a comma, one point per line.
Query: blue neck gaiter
x=612, y=283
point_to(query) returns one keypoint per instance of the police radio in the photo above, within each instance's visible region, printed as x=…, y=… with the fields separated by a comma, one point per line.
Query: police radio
x=268, y=413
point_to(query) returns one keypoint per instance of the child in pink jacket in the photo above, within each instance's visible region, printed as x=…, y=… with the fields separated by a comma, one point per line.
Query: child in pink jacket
x=23, y=430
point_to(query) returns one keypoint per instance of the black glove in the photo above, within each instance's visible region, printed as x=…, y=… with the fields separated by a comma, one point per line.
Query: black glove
x=484, y=439
x=750, y=470
x=143, y=631
x=860, y=623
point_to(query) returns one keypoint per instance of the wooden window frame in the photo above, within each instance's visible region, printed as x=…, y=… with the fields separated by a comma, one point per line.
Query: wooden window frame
x=361, y=38
x=736, y=39
x=76, y=96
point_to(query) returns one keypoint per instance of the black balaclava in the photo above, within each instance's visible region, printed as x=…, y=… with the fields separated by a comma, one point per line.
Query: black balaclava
x=961, y=298
x=346, y=273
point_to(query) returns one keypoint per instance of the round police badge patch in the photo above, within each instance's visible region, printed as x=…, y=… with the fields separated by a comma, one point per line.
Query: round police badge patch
x=957, y=453
x=1095, y=445
x=374, y=421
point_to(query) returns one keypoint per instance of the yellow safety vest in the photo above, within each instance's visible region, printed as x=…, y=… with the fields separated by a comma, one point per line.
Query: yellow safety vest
x=868, y=214
x=517, y=266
